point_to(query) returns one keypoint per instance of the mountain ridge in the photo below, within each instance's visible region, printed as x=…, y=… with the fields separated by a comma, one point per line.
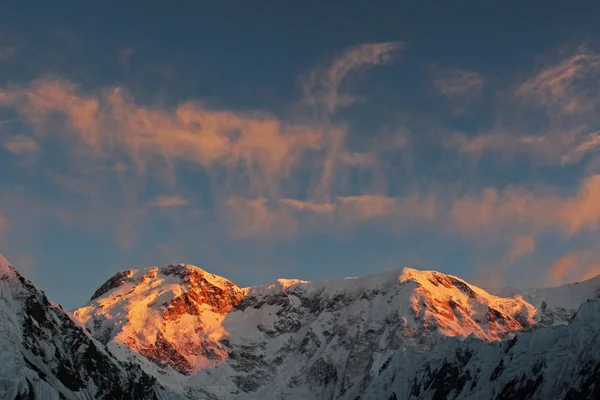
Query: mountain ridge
x=191, y=334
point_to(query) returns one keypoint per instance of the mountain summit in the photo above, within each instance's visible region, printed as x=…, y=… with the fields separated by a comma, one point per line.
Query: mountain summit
x=171, y=316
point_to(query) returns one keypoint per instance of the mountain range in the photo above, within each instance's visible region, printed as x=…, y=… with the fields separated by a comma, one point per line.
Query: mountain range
x=179, y=332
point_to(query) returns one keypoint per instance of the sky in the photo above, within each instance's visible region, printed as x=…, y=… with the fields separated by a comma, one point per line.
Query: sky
x=300, y=140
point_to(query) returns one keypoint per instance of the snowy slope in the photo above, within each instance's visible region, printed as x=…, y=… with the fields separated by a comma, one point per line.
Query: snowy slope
x=558, y=304
x=44, y=354
x=559, y=362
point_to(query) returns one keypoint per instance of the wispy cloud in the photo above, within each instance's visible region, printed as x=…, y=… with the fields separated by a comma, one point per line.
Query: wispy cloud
x=520, y=247
x=111, y=123
x=402, y=210
x=568, y=87
x=168, y=201
x=256, y=217
x=21, y=144
x=290, y=217
x=551, y=147
x=586, y=144
x=458, y=83
x=322, y=87
x=574, y=266
x=530, y=210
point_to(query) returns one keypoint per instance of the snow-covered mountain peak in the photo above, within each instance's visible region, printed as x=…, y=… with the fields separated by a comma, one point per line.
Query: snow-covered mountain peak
x=169, y=315
x=184, y=274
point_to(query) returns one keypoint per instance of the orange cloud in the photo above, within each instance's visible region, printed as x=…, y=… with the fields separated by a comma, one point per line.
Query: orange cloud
x=373, y=207
x=573, y=266
x=247, y=155
x=112, y=123
x=529, y=210
x=590, y=272
x=256, y=217
x=259, y=217
x=521, y=246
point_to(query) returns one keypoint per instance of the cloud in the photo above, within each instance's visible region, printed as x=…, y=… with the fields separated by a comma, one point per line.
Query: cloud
x=574, y=266
x=322, y=86
x=587, y=144
x=590, y=272
x=521, y=246
x=568, y=87
x=290, y=217
x=168, y=201
x=371, y=207
x=551, y=147
x=531, y=210
x=256, y=217
x=458, y=83
x=256, y=150
x=397, y=210
x=21, y=144
x=274, y=177
x=316, y=208
x=564, y=133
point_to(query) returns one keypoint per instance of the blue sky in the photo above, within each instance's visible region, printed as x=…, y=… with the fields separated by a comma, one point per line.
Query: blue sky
x=308, y=141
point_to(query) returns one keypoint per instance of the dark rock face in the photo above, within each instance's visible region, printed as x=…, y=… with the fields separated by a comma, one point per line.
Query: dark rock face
x=163, y=353
x=117, y=280
x=588, y=383
x=201, y=291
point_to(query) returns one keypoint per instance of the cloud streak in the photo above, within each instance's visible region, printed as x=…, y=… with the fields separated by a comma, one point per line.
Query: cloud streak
x=574, y=266
x=168, y=202
x=530, y=210
x=568, y=87
x=457, y=83
x=21, y=144
x=322, y=87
